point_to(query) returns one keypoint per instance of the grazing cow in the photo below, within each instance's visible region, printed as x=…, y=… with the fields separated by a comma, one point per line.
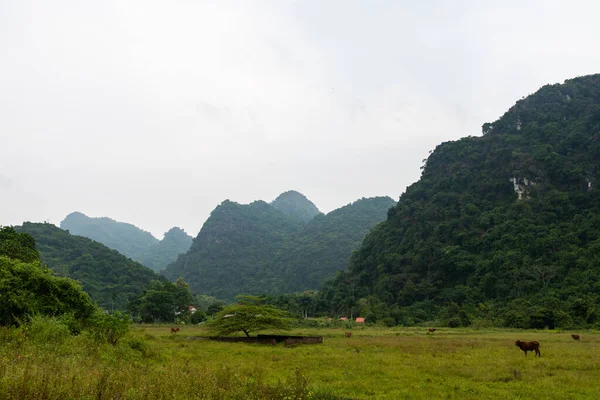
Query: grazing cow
x=431, y=330
x=529, y=346
x=575, y=337
x=348, y=334
x=174, y=330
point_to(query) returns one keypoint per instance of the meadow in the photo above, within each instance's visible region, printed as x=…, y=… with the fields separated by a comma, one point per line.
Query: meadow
x=375, y=363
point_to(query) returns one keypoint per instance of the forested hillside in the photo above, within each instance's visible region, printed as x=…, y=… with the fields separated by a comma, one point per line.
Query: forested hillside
x=234, y=251
x=296, y=205
x=502, y=228
x=130, y=240
x=325, y=245
x=257, y=248
x=110, y=278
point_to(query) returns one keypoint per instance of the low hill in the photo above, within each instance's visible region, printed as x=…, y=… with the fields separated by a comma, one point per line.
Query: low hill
x=130, y=240
x=503, y=227
x=110, y=278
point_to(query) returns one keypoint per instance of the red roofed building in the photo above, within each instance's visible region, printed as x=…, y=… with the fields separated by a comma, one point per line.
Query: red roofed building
x=360, y=320
x=343, y=319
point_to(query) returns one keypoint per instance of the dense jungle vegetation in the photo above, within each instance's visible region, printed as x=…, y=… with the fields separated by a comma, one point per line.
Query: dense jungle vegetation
x=258, y=249
x=501, y=229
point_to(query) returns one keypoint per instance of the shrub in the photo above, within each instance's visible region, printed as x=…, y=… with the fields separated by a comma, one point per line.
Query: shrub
x=454, y=322
x=109, y=328
x=197, y=317
x=45, y=329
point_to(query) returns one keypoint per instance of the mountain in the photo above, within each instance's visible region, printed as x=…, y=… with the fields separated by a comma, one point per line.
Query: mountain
x=296, y=205
x=258, y=248
x=234, y=250
x=110, y=278
x=325, y=245
x=130, y=240
x=503, y=228
x=174, y=243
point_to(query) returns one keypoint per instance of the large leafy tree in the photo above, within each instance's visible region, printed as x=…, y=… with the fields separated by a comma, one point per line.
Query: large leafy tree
x=19, y=246
x=28, y=287
x=249, y=315
x=162, y=301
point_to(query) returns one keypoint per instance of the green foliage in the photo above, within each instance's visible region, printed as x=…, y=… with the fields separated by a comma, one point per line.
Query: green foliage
x=109, y=328
x=31, y=288
x=129, y=240
x=48, y=330
x=249, y=315
x=162, y=301
x=197, y=317
x=509, y=216
x=259, y=249
x=18, y=246
x=110, y=278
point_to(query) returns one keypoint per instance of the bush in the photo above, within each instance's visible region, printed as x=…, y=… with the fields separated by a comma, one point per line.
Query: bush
x=370, y=318
x=44, y=329
x=32, y=288
x=109, y=328
x=388, y=321
x=454, y=322
x=197, y=317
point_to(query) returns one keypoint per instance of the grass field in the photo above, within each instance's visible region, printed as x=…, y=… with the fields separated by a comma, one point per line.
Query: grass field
x=375, y=363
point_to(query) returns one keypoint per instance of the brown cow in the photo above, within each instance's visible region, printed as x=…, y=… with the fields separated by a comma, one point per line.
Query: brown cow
x=431, y=330
x=348, y=334
x=174, y=330
x=575, y=337
x=529, y=346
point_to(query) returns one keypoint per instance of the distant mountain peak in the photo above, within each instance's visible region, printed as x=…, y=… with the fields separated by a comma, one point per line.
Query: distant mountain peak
x=296, y=205
x=130, y=240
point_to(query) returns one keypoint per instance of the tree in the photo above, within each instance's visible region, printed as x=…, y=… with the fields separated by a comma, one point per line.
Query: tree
x=18, y=246
x=30, y=288
x=249, y=315
x=161, y=301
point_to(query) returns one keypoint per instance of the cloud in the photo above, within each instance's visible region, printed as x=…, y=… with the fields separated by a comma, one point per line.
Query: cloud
x=153, y=112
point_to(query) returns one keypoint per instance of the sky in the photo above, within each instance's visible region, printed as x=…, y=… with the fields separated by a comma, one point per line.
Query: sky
x=154, y=112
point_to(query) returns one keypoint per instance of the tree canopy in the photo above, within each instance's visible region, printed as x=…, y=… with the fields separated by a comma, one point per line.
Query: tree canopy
x=249, y=315
x=27, y=287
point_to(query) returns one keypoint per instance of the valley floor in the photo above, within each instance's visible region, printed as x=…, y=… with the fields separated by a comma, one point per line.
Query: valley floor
x=395, y=363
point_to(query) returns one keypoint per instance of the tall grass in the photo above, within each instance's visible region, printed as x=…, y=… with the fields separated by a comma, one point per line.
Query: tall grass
x=152, y=363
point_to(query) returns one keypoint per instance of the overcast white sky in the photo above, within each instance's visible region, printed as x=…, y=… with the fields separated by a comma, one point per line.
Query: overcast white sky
x=153, y=112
